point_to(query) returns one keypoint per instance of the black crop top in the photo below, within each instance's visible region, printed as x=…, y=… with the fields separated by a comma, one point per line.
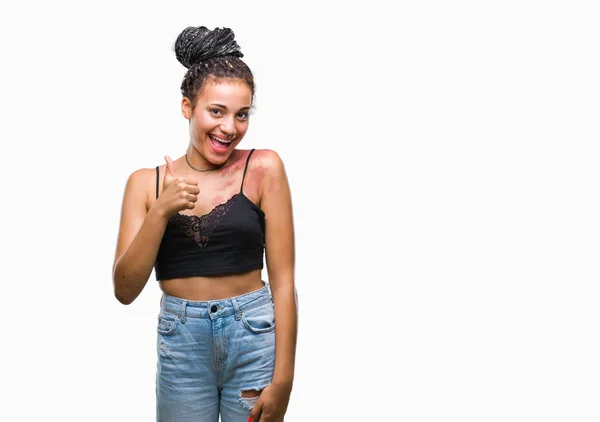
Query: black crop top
x=229, y=239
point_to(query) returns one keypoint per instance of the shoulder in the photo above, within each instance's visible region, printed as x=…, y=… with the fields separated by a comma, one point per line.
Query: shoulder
x=272, y=173
x=140, y=182
x=140, y=177
x=269, y=161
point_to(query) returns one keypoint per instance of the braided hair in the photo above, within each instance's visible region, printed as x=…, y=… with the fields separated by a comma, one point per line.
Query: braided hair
x=209, y=54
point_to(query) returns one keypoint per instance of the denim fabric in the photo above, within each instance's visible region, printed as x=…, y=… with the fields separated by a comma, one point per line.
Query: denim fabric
x=211, y=351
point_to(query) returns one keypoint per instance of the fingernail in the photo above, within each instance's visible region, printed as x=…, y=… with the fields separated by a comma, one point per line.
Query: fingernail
x=249, y=418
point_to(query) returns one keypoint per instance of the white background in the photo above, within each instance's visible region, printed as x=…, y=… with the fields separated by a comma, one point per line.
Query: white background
x=443, y=159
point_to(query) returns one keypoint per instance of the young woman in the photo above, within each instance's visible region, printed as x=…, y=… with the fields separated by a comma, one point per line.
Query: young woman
x=203, y=222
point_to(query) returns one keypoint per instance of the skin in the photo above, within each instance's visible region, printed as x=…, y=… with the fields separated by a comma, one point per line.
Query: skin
x=144, y=218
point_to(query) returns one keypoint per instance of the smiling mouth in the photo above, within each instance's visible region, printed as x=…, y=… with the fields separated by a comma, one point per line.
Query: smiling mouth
x=221, y=142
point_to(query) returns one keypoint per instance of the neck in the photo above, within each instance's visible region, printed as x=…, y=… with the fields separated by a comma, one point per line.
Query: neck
x=204, y=165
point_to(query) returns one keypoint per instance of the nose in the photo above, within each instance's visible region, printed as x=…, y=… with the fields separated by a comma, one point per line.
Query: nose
x=228, y=127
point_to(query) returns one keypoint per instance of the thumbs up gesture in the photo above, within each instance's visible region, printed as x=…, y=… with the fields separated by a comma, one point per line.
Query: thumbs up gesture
x=178, y=193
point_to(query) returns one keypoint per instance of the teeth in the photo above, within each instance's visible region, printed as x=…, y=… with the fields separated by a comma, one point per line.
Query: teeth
x=221, y=140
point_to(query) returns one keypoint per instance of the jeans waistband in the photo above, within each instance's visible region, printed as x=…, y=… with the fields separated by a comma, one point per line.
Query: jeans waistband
x=216, y=308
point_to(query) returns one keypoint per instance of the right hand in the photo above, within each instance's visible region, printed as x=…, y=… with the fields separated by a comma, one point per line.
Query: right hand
x=178, y=193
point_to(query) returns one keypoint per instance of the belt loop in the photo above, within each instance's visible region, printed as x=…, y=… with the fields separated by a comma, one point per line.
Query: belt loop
x=236, y=309
x=183, y=307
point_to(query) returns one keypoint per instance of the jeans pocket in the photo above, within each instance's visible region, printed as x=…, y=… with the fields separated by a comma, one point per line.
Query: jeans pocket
x=167, y=324
x=260, y=319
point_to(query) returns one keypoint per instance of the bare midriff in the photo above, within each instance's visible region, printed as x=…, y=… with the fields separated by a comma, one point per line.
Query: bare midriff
x=213, y=287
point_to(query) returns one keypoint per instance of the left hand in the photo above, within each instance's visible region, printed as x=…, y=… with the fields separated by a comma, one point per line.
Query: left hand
x=272, y=403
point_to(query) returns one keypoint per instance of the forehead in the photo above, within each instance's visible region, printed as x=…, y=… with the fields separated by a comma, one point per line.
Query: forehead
x=229, y=92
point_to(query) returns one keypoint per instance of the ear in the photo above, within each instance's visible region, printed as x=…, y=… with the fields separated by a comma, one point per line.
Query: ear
x=186, y=108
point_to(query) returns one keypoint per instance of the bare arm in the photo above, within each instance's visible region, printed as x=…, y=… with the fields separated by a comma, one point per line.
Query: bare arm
x=140, y=234
x=276, y=202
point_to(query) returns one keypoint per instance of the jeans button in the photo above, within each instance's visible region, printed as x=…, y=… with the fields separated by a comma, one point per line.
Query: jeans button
x=213, y=308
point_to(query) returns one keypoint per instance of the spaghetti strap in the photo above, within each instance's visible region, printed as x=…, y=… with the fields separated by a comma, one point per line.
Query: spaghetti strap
x=246, y=168
x=156, y=182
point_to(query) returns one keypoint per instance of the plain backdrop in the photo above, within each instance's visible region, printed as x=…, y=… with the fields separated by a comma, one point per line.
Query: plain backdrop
x=443, y=159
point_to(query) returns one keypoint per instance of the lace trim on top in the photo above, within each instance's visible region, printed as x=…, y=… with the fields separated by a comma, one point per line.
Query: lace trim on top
x=201, y=228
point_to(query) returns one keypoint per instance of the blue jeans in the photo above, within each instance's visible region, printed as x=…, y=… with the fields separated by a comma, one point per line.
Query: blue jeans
x=211, y=351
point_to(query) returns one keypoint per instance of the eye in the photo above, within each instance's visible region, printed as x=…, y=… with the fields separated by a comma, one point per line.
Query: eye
x=215, y=110
x=243, y=115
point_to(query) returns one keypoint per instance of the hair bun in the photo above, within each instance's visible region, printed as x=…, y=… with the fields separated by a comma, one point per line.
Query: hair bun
x=198, y=43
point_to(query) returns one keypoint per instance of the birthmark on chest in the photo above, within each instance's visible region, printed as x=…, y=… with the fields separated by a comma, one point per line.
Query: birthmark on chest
x=225, y=184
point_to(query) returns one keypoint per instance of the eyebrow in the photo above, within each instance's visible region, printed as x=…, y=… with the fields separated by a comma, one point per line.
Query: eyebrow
x=225, y=107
